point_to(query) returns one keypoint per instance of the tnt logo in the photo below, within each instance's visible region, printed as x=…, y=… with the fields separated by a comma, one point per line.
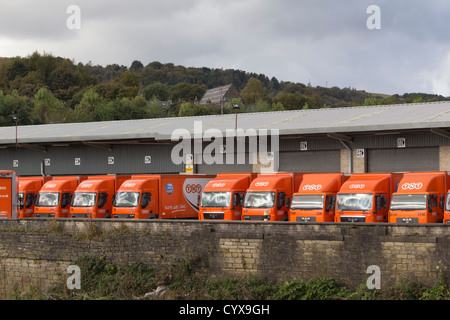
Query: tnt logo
x=193, y=188
x=129, y=184
x=412, y=186
x=218, y=185
x=261, y=184
x=312, y=187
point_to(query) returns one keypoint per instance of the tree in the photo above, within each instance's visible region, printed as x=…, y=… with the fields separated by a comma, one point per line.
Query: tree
x=130, y=83
x=186, y=110
x=136, y=66
x=156, y=90
x=14, y=104
x=254, y=91
x=155, y=109
x=187, y=92
x=87, y=108
x=289, y=101
x=48, y=109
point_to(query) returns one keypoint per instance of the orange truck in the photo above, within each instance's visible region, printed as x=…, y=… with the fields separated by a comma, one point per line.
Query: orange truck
x=29, y=188
x=94, y=197
x=160, y=196
x=269, y=195
x=221, y=199
x=8, y=194
x=315, y=200
x=53, y=200
x=365, y=197
x=419, y=198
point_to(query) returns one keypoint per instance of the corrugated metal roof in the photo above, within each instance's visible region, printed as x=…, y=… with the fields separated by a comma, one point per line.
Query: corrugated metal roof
x=215, y=95
x=339, y=120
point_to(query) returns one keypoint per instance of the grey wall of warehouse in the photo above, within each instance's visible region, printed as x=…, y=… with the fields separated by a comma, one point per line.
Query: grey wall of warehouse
x=323, y=154
x=39, y=251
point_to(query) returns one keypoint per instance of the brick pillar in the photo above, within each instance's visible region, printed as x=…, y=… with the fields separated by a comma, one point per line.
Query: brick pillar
x=345, y=161
x=444, y=158
x=359, y=163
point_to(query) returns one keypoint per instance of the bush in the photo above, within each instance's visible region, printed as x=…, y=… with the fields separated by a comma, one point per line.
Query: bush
x=322, y=288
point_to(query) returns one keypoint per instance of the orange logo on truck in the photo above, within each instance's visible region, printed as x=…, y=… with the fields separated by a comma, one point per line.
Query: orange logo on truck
x=357, y=186
x=412, y=186
x=312, y=187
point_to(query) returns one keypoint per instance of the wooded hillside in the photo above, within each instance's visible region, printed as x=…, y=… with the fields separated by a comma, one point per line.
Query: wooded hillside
x=42, y=88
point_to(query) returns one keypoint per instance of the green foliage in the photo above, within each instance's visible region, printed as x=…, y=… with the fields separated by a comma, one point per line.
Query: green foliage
x=254, y=91
x=186, y=110
x=323, y=288
x=42, y=88
x=100, y=280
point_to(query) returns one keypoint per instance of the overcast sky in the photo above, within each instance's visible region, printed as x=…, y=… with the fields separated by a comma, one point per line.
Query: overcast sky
x=324, y=42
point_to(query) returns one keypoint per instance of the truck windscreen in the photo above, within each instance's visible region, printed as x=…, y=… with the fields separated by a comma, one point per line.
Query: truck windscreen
x=84, y=199
x=259, y=200
x=354, y=202
x=409, y=202
x=47, y=199
x=126, y=199
x=307, y=201
x=215, y=199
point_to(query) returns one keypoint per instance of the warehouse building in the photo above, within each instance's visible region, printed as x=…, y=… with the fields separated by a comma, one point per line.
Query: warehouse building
x=406, y=137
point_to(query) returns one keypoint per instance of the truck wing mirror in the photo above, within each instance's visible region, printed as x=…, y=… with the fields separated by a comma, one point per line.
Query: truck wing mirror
x=65, y=199
x=281, y=200
x=328, y=201
x=102, y=199
x=378, y=202
x=384, y=201
x=146, y=199
x=30, y=200
x=236, y=199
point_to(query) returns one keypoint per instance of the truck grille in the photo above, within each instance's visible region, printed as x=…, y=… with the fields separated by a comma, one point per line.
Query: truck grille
x=306, y=219
x=407, y=220
x=260, y=218
x=214, y=215
x=353, y=219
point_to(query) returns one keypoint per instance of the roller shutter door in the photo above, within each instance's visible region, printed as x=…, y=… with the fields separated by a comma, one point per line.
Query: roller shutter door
x=399, y=160
x=310, y=161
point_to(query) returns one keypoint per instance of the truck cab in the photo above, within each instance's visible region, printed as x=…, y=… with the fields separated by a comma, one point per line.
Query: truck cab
x=419, y=198
x=365, y=197
x=94, y=197
x=315, y=200
x=54, y=198
x=222, y=197
x=29, y=188
x=269, y=196
x=137, y=199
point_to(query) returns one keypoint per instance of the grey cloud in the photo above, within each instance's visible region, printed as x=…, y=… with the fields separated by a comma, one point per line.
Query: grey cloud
x=322, y=41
